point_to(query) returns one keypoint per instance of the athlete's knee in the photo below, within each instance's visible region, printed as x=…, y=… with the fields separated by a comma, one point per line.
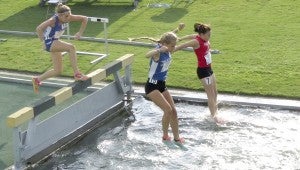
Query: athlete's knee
x=168, y=110
x=174, y=111
x=71, y=48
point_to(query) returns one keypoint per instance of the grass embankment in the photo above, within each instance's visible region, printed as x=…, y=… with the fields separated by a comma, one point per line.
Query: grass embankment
x=258, y=40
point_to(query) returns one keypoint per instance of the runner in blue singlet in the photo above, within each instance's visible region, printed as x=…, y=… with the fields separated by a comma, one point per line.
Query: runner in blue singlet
x=49, y=33
x=155, y=87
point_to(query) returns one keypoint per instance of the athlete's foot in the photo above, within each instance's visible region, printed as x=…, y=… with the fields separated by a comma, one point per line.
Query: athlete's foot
x=179, y=141
x=219, y=120
x=166, y=138
x=80, y=77
x=36, y=84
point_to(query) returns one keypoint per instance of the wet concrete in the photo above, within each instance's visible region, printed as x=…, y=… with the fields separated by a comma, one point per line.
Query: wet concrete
x=178, y=94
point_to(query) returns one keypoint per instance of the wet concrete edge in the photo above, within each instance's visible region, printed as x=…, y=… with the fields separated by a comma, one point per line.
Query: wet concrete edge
x=178, y=94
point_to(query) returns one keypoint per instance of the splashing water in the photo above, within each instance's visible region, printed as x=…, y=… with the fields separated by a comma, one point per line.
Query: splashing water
x=253, y=138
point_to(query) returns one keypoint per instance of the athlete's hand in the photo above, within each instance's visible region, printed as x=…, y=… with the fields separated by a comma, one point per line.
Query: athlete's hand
x=181, y=26
x=163, y=49
x=77, y=36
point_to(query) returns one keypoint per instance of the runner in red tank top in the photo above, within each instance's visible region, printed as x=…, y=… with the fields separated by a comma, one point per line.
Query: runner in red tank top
x=200, y=43
x=203, y=53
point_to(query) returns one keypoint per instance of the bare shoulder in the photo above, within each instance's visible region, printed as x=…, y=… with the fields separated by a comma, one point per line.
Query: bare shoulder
x=48, y=22
x=77, y=17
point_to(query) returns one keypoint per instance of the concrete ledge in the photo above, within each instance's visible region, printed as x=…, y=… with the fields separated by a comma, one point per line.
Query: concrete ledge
x=182, y=95
x=195, y=97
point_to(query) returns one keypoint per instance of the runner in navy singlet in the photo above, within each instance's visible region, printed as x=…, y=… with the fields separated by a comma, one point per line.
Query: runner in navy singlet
x=155, y=87
x=49, y=33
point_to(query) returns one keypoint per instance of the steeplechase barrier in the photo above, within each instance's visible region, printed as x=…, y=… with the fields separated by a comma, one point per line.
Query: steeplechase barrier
x=41, y=138
x=100, y=56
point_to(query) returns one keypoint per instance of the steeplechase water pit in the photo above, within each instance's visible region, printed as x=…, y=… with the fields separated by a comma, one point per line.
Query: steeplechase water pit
x=255, y=137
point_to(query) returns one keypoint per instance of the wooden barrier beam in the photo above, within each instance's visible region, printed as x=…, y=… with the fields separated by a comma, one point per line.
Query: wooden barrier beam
x=97, y=75
x=119, y=63
x=113, y=67
x=126, y=60
x=78, y=86
x=43, y=104
x=19, y=117
x=64, y=93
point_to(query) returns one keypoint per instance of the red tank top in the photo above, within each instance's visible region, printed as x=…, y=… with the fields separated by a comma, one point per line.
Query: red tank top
x=203, y=53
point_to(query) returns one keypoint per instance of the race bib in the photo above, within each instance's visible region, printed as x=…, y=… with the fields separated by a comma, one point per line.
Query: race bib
x=208, y=58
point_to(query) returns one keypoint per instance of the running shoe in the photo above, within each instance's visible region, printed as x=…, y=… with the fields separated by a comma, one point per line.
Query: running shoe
x=179, y=141
x=80, y=77
x=168, y=138
x=36, y=84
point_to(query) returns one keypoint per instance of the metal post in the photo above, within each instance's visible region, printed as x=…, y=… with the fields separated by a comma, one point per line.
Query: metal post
x=128, y=82
x=17, y=142
x=100, y=55
x=105, y=38
x=119, y=81
x=31, y=131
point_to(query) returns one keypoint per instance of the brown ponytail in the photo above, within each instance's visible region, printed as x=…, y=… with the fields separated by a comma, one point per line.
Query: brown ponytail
x=167, y=38
x=146, y=38
x=201, y=28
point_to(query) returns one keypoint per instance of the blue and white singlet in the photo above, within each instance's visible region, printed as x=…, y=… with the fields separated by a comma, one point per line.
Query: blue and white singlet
x=54, y=33
x=159, y=69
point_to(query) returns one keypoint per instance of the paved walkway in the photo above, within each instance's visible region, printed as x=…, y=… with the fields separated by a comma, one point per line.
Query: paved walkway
x=184, y=95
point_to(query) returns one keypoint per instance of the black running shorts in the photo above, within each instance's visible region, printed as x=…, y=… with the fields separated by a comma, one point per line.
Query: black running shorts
x=155, y=85
x=204, y=72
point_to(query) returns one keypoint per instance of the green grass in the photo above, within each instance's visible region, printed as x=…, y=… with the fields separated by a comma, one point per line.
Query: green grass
x=259, y=41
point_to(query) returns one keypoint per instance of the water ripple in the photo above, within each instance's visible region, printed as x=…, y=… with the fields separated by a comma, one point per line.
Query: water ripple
x=253, y=138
